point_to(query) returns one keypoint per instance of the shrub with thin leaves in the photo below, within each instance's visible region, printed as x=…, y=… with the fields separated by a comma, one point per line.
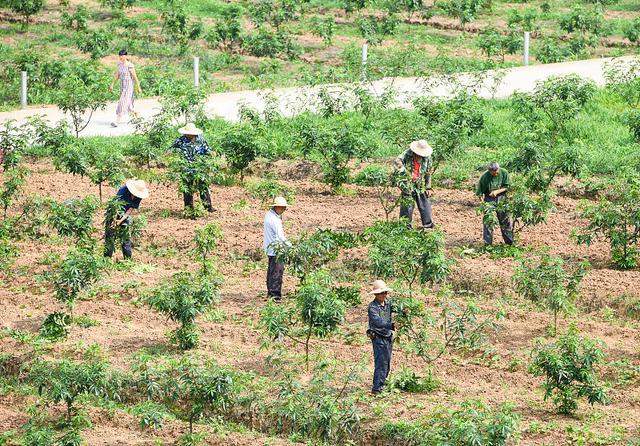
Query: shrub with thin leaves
x=227, y=32
x=616, y=218
x=206, y=240
x=464, y=10
x=182, y=298
x=74, y=217
x=96, y=42
x=550, y=282
x=384, y=183
x=56, y=326
x=267, y=189
x=623, y=79
x=398, y=252
x=569, y=366
x=14, y=140
x=240, y=145
x=80, y=99
x=26, y=8
x=79, y=271
x=12, y=188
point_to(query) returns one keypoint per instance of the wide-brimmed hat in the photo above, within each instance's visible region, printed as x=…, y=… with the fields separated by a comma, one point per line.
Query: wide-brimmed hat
x=421, y=148
x=378, y=287
x=279, y=202
x=138, y=188
x=190, y=129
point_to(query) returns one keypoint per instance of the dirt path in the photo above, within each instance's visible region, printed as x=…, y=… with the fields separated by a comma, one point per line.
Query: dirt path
x=499, y=84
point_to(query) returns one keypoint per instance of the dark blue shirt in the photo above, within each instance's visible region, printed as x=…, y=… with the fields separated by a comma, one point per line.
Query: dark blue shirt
x=130, y=201
x=189, y=150
x=380, y=318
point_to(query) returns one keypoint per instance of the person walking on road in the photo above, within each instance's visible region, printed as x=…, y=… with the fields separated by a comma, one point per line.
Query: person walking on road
x=381, y=333
x=493, y=187
x=126, y=72
x=118, y=216
x=414, y=167
x=190, y=146
x=274, y=236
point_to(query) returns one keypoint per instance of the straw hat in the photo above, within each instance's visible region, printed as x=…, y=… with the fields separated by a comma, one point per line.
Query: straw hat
x=279, y=202
x=190, y=129
x=421, y=148
x=138, y=188
x=378, y=287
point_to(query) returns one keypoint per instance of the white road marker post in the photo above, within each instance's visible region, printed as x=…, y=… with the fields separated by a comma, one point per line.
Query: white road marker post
x=527, y=34
x=365, y=50
x=196, y=71
x=23, y=89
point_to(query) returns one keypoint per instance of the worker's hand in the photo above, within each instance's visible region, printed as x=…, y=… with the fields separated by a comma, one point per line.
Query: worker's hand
x=110, y=88
x=140, y=91
x=492, y=194
x=428, y=193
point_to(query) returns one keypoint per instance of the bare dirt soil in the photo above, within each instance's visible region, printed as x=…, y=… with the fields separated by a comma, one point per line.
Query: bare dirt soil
x=124, y=328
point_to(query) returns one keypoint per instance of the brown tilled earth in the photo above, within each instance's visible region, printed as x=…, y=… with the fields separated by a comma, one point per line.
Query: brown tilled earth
x=124, y=328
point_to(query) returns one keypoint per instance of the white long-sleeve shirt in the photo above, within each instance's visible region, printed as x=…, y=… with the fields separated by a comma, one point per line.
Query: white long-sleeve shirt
x=273, y=232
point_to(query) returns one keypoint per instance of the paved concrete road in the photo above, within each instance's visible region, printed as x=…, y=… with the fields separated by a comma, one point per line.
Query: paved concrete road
x=499, y=84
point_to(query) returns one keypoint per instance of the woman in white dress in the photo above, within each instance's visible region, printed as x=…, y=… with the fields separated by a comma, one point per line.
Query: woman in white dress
x=127, y=75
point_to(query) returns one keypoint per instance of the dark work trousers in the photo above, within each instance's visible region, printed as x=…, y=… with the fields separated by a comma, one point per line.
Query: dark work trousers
x=505, y=223
x=110, y=239
x=274, y=277
x=424, y=207
x=205, y=196
x=382, y=349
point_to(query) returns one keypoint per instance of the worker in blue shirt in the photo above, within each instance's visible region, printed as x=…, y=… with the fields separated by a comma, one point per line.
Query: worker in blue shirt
x=118, y=215
x=381, y=333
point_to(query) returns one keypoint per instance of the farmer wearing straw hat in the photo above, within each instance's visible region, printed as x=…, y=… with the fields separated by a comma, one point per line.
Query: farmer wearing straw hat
x=273, y=236
x=381, y=333
x=414, y=168
x=192, y=145
x=118, y=216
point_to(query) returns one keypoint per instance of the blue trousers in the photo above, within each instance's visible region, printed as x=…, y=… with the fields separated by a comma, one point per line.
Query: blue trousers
x=424, y=207
x=382, y=349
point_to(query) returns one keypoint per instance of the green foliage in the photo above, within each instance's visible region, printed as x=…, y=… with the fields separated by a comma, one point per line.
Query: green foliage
x=226, y=33
x=584, y=21
x=524, y=208
x=108, y=166
x=193, y=176
x=74, y=217
x=271, y=43
x=26, y=8
x=178, y=27
x=324, y=27
x=313, y=250
x=240, y=146
x=151, y=139
x=75, y=274
x=632, y=119
x=56, y=326
x=131, y=228
x=78, y=20
x=51, y=138
x=182, y=100
x=79, y=98
x=552, y=50
x=632, y=31
x=384, y=183
x=493, y=43
x=13, y=182
x=318, y=310
x=96, y=42
x=549, y=282
x=206, y=239
x=623, y=79
x=117, y=4
x=569, y=367
x=473, y=423
x=275, y=12
x=65, y=380
x=616, y=217
x=524, y=20
x=336, y=145
x=151, y=415
x=464, y=10
x=396, y=251
x=13, y=142
x=182, y=298
x=376, y=28
x=267, y=189
x=406, y=380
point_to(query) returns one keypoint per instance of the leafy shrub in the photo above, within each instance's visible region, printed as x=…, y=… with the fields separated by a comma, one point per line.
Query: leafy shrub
x=464, y=10
x=275, y=12
x=13, y=142
x=26, y=8
x=623, y=78
x=131, y=229
x=51, y=138
x=193, y=177
x=96, y=43
x=150, y=415
x=271, y=43
x=389, y=244
x=178, y=27
x=182, y=298
x=632, y=31
x=267, y=189
x=74, y=217
x=318, y=311
x=240, y=146
x=547, y=281
x=108, y=166
x=313, y=250
x=383, y=181
x=493, y=43
x=78, y=98
x=584, y=21
x=56, y=326
x=375, y=28
x=616, y=217
x=226, y=33
x=471, y=423
x=324, y=27
x=182, y=100
x=569, y=367
x=118, y=4
x=552, y=50
x=77, y=20
x=13, y=182
x=152, y=138
x=525, y=20
x=74, y=275
x=406, y=380
x=206, y=240
x=632, y=119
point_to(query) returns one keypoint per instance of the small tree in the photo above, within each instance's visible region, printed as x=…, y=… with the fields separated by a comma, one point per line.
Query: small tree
x=13, y=182
x=152, y=138
x=313, y=250
x=376, y=28
x=178, y=27
x=389, y=248
x=96, y=43
x=568, y=366
x=324, y=27
x=206, y=240
x=547, y=281
x=182, y=298
x=65, y=381
x=382, y=180
x=240, y=146
x=616, y=217
x=318, y=310
x=78, y=20
x=226, y=33
x=623, y=78
x=77, y=99
x=632, y=31
x=493, y=43
x=182, y=100
x=26, y=8
x=107, y=166
x=267, y=189
x=79, y=271
x=74, y=217
x=13, y=141
x=118, y=5
x=464, y=10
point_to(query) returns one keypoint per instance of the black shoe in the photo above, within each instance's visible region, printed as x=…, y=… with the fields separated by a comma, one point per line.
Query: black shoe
x=276, y=299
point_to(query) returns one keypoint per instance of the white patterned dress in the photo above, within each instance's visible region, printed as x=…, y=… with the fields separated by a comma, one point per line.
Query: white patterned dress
x=125, y=104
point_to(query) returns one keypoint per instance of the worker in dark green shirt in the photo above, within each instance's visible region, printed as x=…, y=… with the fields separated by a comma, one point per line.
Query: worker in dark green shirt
x=493, y=187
